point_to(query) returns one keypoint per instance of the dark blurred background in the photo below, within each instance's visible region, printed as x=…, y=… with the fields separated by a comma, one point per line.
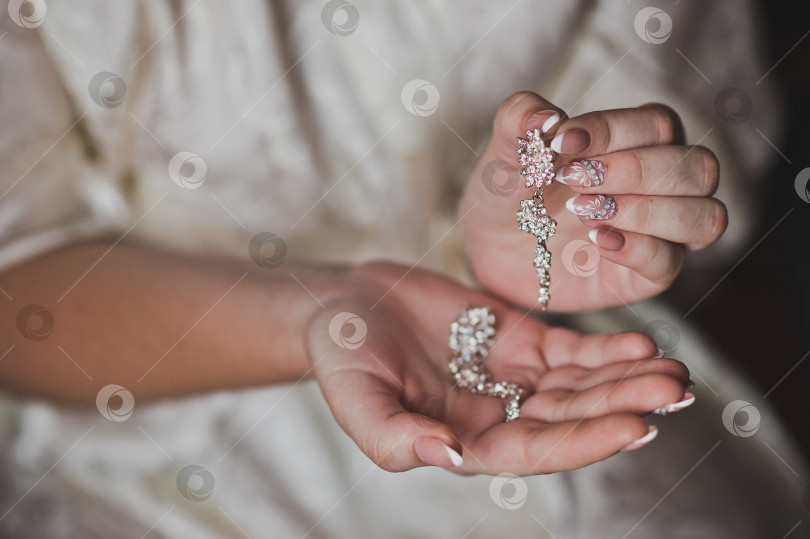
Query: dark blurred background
x=759, y=314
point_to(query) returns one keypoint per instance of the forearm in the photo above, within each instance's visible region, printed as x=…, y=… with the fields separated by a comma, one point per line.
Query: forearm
x=159, y=324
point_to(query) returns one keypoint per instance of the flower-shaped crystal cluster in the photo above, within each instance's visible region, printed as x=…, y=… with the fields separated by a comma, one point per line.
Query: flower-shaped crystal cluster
x=471, y=337
x=533, y=219
x=538, y=169
x=537, y=159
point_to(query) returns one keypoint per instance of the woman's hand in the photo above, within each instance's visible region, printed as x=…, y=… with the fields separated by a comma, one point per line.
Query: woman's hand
x=662, y=205
x=379, y=352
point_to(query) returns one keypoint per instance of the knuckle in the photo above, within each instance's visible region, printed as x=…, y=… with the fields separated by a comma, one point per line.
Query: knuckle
x=382, y=458
x=651, y=253
x=387, y=465
x=719, y=219
x=563, y=409
x=604, y=126
x=599, y=127
x=669, y=391
x=517, y=97
x=645, y=212
x=666, y=120
x=661, y=266
x=710, y=170
x=709, y=225
x=514, y=100
x=676, y=264
x=636, y=175
x=677, y=368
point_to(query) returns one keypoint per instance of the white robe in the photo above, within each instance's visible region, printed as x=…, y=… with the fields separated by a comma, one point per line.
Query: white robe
x=325, y=140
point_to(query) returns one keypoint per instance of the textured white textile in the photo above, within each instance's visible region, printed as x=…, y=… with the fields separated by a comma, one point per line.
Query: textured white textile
x=307, y=134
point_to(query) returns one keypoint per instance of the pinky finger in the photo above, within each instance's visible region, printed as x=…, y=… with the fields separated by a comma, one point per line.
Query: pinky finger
x=655, y=259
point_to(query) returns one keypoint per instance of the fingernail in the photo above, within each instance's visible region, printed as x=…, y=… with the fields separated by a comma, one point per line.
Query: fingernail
x=436, y=453
x=688, y=399
x=571, y=141
x=543, y=120
x=659, y=354
x=690, y=384
x=582, y=173
x=599, y=207
x=607, y=239
x=644, y=440
x=550, y=123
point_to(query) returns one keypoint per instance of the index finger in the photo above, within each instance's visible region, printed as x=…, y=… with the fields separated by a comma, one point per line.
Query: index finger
x=606, y=131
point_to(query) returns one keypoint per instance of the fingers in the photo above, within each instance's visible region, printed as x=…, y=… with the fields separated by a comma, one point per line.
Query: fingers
x=658, y=261
x=602, y=132
x=575, y=378
x=529, y=447
x=372, y=414
x=634, y=394
x=696, y=222
x=563, y=347
x=660, y=170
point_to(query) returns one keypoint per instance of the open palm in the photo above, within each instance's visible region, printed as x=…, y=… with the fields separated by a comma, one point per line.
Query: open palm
x=386, y=380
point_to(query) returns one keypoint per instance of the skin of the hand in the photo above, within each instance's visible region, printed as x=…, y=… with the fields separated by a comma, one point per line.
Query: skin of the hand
x=164, y=325
x=379, y=353
x=662, y=188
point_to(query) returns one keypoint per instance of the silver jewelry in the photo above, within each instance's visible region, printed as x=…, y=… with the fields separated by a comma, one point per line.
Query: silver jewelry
x=471, y=337
x=538, y=161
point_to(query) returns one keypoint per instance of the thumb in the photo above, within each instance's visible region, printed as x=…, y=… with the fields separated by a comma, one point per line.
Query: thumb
x=496, y=181
x=521, y=112
x=394, y=437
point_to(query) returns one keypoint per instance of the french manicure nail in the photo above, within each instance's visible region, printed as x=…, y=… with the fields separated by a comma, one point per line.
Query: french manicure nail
x=607, y=239
x=571, y=141
x=434, y=452
x=688, y=399
x=599, y=207
x=543, y=120
x=644, y=440
x=550, y=123
x=582, y=173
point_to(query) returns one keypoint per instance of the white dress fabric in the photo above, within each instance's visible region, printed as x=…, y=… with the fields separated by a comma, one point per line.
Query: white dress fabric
x=351, y=143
